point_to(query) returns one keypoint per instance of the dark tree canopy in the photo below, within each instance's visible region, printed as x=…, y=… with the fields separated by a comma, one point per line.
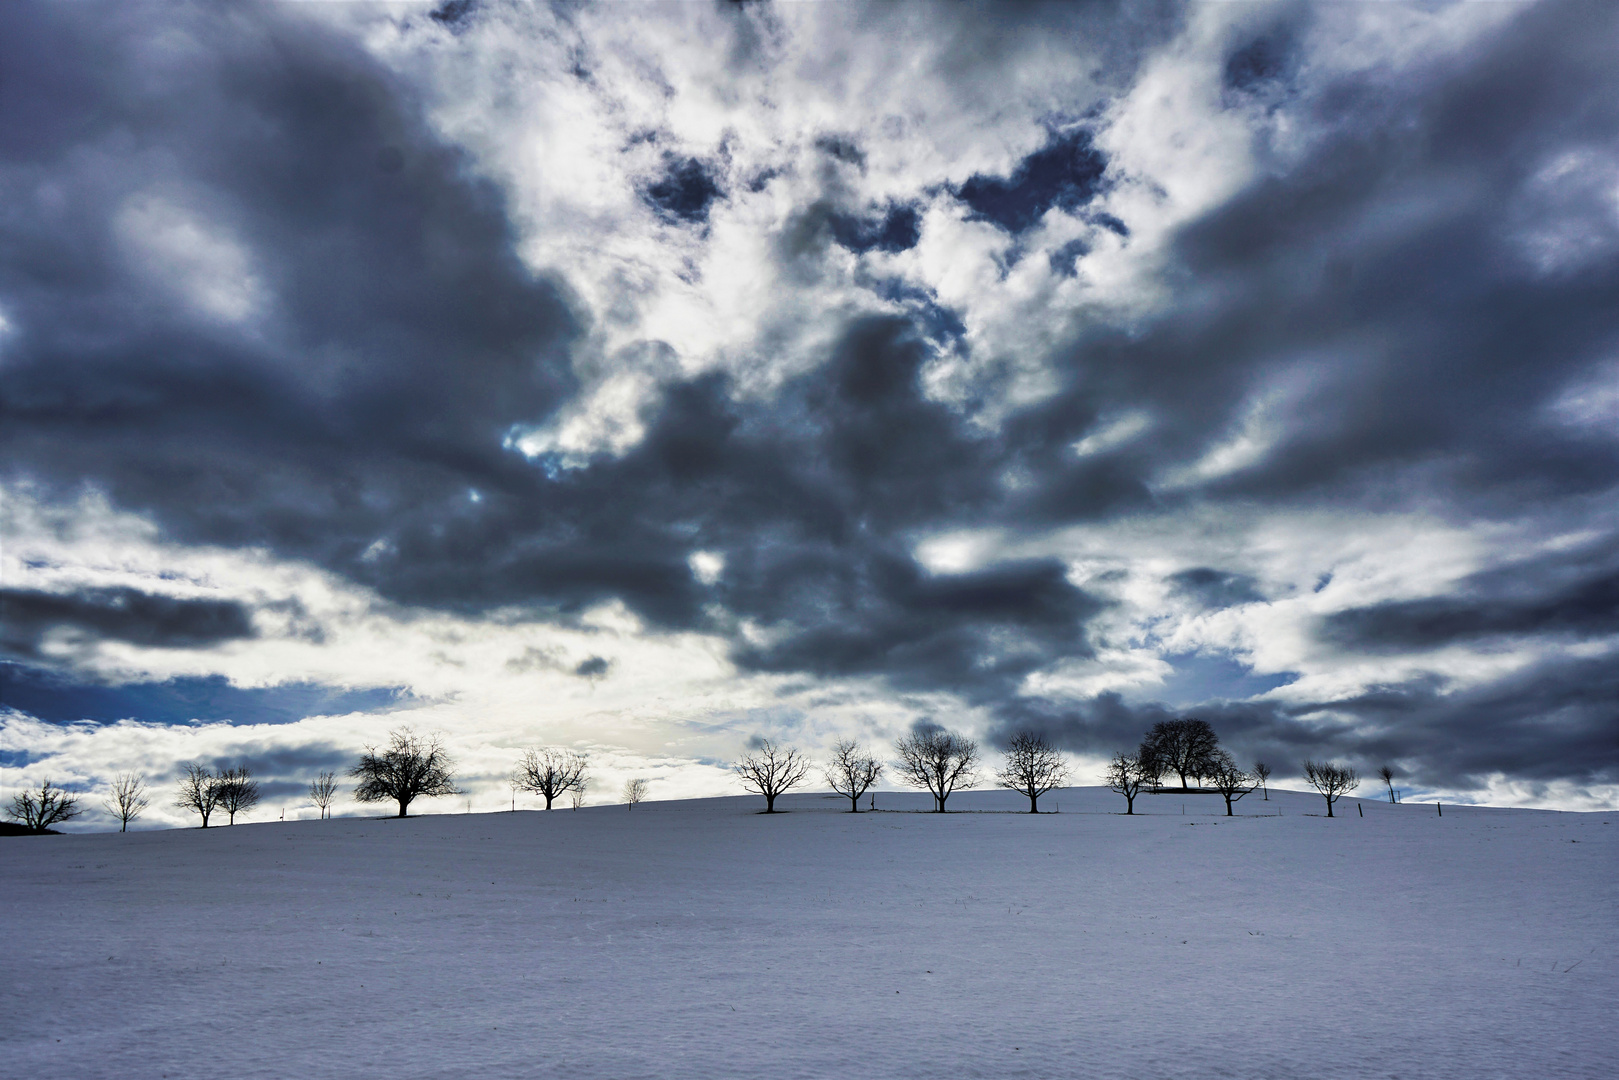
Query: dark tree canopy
x=1183, y=747
x=938, y=761
x=1033, y=767
x=414, y=766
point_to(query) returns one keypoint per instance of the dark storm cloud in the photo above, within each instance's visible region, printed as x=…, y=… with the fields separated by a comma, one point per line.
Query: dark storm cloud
x=400, y=340
x=65, y=699
x=120, y=614
x=1216, y=588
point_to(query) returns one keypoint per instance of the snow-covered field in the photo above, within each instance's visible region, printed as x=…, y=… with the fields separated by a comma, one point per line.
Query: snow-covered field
x=700, y=939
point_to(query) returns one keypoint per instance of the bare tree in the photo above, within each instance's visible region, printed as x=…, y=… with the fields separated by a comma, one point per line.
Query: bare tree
x=635, y=790
x=1033, y=768
x=1262, y=771
x=238, y=792
x=199, y=790
x=1332, y=781
x=1229, y=779
x=126, y=799
x=1183, y=747
x=1386, y=774
x=550, y=771
x=40, y=810
x=579, y=795
x=770, y=770
x=851, y=771
x=414, y=766
x=940, y=761
x=323, y=792
x=1126, y=776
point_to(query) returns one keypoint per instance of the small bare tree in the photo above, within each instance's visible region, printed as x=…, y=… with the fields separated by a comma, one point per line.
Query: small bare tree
x=1229, y=779
x=1126, y=775
x=851, y=771
x=323, y=792
x=1033, y=768
x=550, y=771
x=199, y=790
x=1262, y=771
x=939, y=761
x=40, y=810
x=770, y=770
x=126, y=799
x=414, y=766
x=1386, y=774
x=1332, y=781
x=579, y=795
x=635, y=790
x=238, y=791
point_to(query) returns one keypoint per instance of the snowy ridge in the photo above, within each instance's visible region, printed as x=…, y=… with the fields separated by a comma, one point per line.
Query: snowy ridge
x=702, y=939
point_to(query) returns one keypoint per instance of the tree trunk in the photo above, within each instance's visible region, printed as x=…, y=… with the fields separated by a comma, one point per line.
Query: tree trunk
x=854, y=804
x=770, y=803
x=547, y=795
x=1034, y=804
x=1129, y=804
x=1228, y=807
x=402, y=804
x=1329, y=807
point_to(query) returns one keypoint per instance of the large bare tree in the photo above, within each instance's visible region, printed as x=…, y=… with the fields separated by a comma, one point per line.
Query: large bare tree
x=126, y=799
x=635, y=790
x=1332, y=781
x=1229, y=779
x=40, y=810
x=770, y=770
x=238, y=791
x=939, y=761
x=1126, y=776
x=1033, y=767
x=851, y=771
x=550, y=771
x=199, y=790
x=413, y=767
x=323, y=792
x=1183, y=747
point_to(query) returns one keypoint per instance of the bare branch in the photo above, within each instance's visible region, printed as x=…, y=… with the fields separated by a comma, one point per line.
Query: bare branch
x=635, y=790
x=323, y=792
x=236, y=791
x=1331, y=780
x=550, y=771
x=1126, y=776
x=1229, y=780
x=1033, y=768
x=199, y=791
x=939, y=761
x=771, y=770
x=40, y=810
x=414, y=766
x=851, y=771
x=126, y=799
x=1262, y=771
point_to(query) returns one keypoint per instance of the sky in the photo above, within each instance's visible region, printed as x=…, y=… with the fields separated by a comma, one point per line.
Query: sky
x=654, y=379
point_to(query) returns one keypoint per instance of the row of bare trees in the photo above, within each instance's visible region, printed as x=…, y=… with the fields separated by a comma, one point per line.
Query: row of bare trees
x=1191, y=750
x=932, y=759
x=203, y=791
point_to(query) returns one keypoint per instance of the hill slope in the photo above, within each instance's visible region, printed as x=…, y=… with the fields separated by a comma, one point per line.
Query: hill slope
x=700, y=939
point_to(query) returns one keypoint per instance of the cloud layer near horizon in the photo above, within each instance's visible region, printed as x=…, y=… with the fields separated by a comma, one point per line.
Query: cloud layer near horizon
x=650, y=380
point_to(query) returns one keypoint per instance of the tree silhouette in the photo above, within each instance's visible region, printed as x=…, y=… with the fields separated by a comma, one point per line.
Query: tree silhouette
x=126, y=799
x=199, y=791
x=1332, y=781
x=237, y=791
x=635, y=790
x=1262, y=771
x=1183, y=747
x=851, y=771
x=323, y=792
x=939, y=761
x=413, y=767
x=40, y=810
x=1386, y=774
x=1126, y=776
x=1229, y=780
x=1032, y=768
x=550, y=771
x=770, y=770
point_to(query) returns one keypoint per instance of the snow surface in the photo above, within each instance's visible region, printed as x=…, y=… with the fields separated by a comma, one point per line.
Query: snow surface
x=701, y=939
